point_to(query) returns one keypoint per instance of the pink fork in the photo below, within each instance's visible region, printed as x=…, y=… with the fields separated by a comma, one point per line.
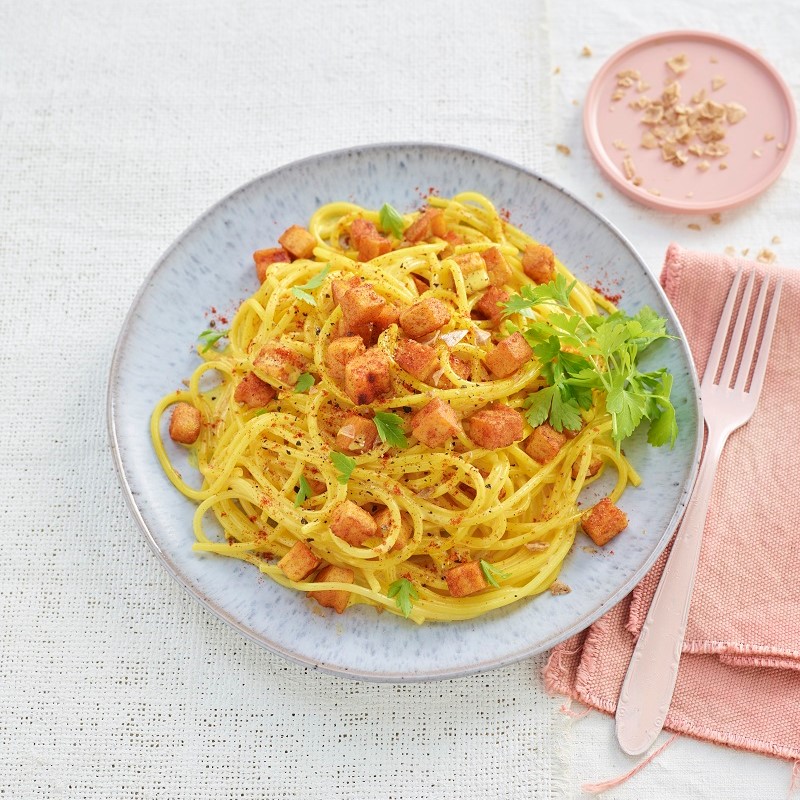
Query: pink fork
x=650, y=681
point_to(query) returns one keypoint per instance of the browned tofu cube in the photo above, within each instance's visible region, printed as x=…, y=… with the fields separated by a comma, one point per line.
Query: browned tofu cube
x=416, y=359
x=544, y=443
x=421, y=284
x=251, y=391
x=495, y=426
x=368, y=376
x=435, y=423
x=461, y=368
x=466, y=579
x=508, y=356
x=539, y=263
x=473, y=270
x=383, y=519
x=499, y=271
x=279, y=362
x=185, y=423
x=365, y=332
x=351, y=523
x=357, y=435
x=361, y=305
x=388, y=315
x=264, y=258
x=453, y=240
x=424, y=317
x=337, y=599
x=341, y=286
x=604, y=521
x=594, y=467
x=340, y=352
x=299, y=562
x=298, y=241
x=429, y=223
x=366, y=239
x=489, y=305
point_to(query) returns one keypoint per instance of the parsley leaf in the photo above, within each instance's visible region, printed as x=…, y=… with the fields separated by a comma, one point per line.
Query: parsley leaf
x=530, y=295
x=210, y=337
x=490, y=572
x=390, y=429
x=302, y=292
x=304, y=382
x=403, y=592
x=344, y=464
x=303, y=493
x=391, y=220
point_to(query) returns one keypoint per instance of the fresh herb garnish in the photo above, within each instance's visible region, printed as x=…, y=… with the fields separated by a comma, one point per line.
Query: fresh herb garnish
x=304, y=382
x=391, y=220
x=490, y=572
x=344, y=464
x=303, y=493
x=302, y=292
x=403, y=592
x=390, y=429
x=580, y=355
x=210, y=337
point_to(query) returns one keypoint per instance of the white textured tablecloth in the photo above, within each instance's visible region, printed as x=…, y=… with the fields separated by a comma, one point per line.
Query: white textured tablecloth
x=120, y=122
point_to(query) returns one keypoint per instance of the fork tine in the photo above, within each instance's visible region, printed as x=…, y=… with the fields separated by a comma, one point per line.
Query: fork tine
x=752, y=338
x=738, y=330
x=712, y=365
x=761, y=365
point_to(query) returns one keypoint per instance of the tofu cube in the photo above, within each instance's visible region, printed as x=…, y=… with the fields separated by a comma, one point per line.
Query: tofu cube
x=185, y=423
x=279, y=362
x=465, y=579
x=495, y=426
x=416, y=359
x=252, y=392
x=364, y=332
x=424, y=317
x=388, y=315
x=435, y=423
x=264, y=258
x=594, y=467
x=604, y=521
x=489, y=305
x=357, y=435
x=500, y=272
x=473, y=269
x=340, y=352
x=429, y=223
x=544, y=443
x=351, y=523
x=368, y=376
x=383, y=519
x=508, y=356
x=337, y=599
x=341, y=286
x=366, y=239
x=361, y=305
x=299, y=562
x=539, y=263
x=461, y=368
x=298, y=241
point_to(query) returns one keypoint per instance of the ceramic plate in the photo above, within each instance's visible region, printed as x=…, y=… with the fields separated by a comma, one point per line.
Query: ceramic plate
x=210, y=267
x=715, y=69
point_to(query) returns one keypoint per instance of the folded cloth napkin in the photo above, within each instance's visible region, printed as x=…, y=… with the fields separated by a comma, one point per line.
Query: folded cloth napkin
x=739, y=677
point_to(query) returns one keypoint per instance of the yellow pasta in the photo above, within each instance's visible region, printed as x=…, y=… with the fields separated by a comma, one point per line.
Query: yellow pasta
x=459, y=503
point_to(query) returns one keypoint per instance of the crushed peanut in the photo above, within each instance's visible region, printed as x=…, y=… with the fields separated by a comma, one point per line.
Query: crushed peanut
x=717, y=82
x=730, y=250
x=704, y=166
x=587, y=51
x=745, y=251
x=776, y=240
x=599, y=195
x=563, y=149
x=757, y=153
x=768, y=137
x=557, y=70
x=619, y=144
x=537, y=547
x=723, y=165
x=559, y=587
x=765, y=256
x=781, y=145
x=693, y=226
x=628, y=167
x=637, y=181
x=678, y=64
x=716, y=218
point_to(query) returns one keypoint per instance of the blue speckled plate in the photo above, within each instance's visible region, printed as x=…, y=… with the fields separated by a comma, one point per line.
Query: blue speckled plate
x=210, y=265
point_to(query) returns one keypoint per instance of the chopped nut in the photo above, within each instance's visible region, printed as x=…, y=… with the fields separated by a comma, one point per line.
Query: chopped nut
x=637, y=181
x=765, y=256
x=628, y=167
x=694, y=226
x=671, y=93
x=649, y=141
x=704, y=166
x=558, y=587
x=653, y=115
x=716, y=149
x=618, y=95
x=757, y=153
x=713, y=59
x=678, y=64
x=776, y=240
x=723, y=165
x=599, y=195
x=745, y=251
x=768, y=137
x=619, y=144
x=641, y=86
x=537, y=547
x=781, y=145
x=735, y=112
x=587, y=51
x=716, y=218
x=563, y=149
x=698, y=97
x=556, y=70
x=717, y=82
x=656, y=192
x=730, y=250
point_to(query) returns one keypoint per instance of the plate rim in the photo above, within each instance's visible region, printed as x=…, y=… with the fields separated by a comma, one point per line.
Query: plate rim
x=508, y=659
x=599, y=153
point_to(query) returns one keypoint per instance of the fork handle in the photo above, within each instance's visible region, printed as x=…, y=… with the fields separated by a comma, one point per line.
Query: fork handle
x=650, y=681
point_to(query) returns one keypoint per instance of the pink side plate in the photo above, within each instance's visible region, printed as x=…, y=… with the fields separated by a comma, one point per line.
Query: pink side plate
x=760, y=144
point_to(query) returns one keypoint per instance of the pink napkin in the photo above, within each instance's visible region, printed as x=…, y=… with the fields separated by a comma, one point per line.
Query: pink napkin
x=739, y=677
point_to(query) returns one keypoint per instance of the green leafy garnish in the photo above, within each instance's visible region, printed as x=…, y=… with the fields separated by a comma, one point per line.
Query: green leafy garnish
x=344, y=464
x=303, y=493
x=391, y=220
x=304, y=382
x=210, y=337
x=390, y=429
x=489, y=573
x=403, y=592
x=302, y=292
x=580, y=356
